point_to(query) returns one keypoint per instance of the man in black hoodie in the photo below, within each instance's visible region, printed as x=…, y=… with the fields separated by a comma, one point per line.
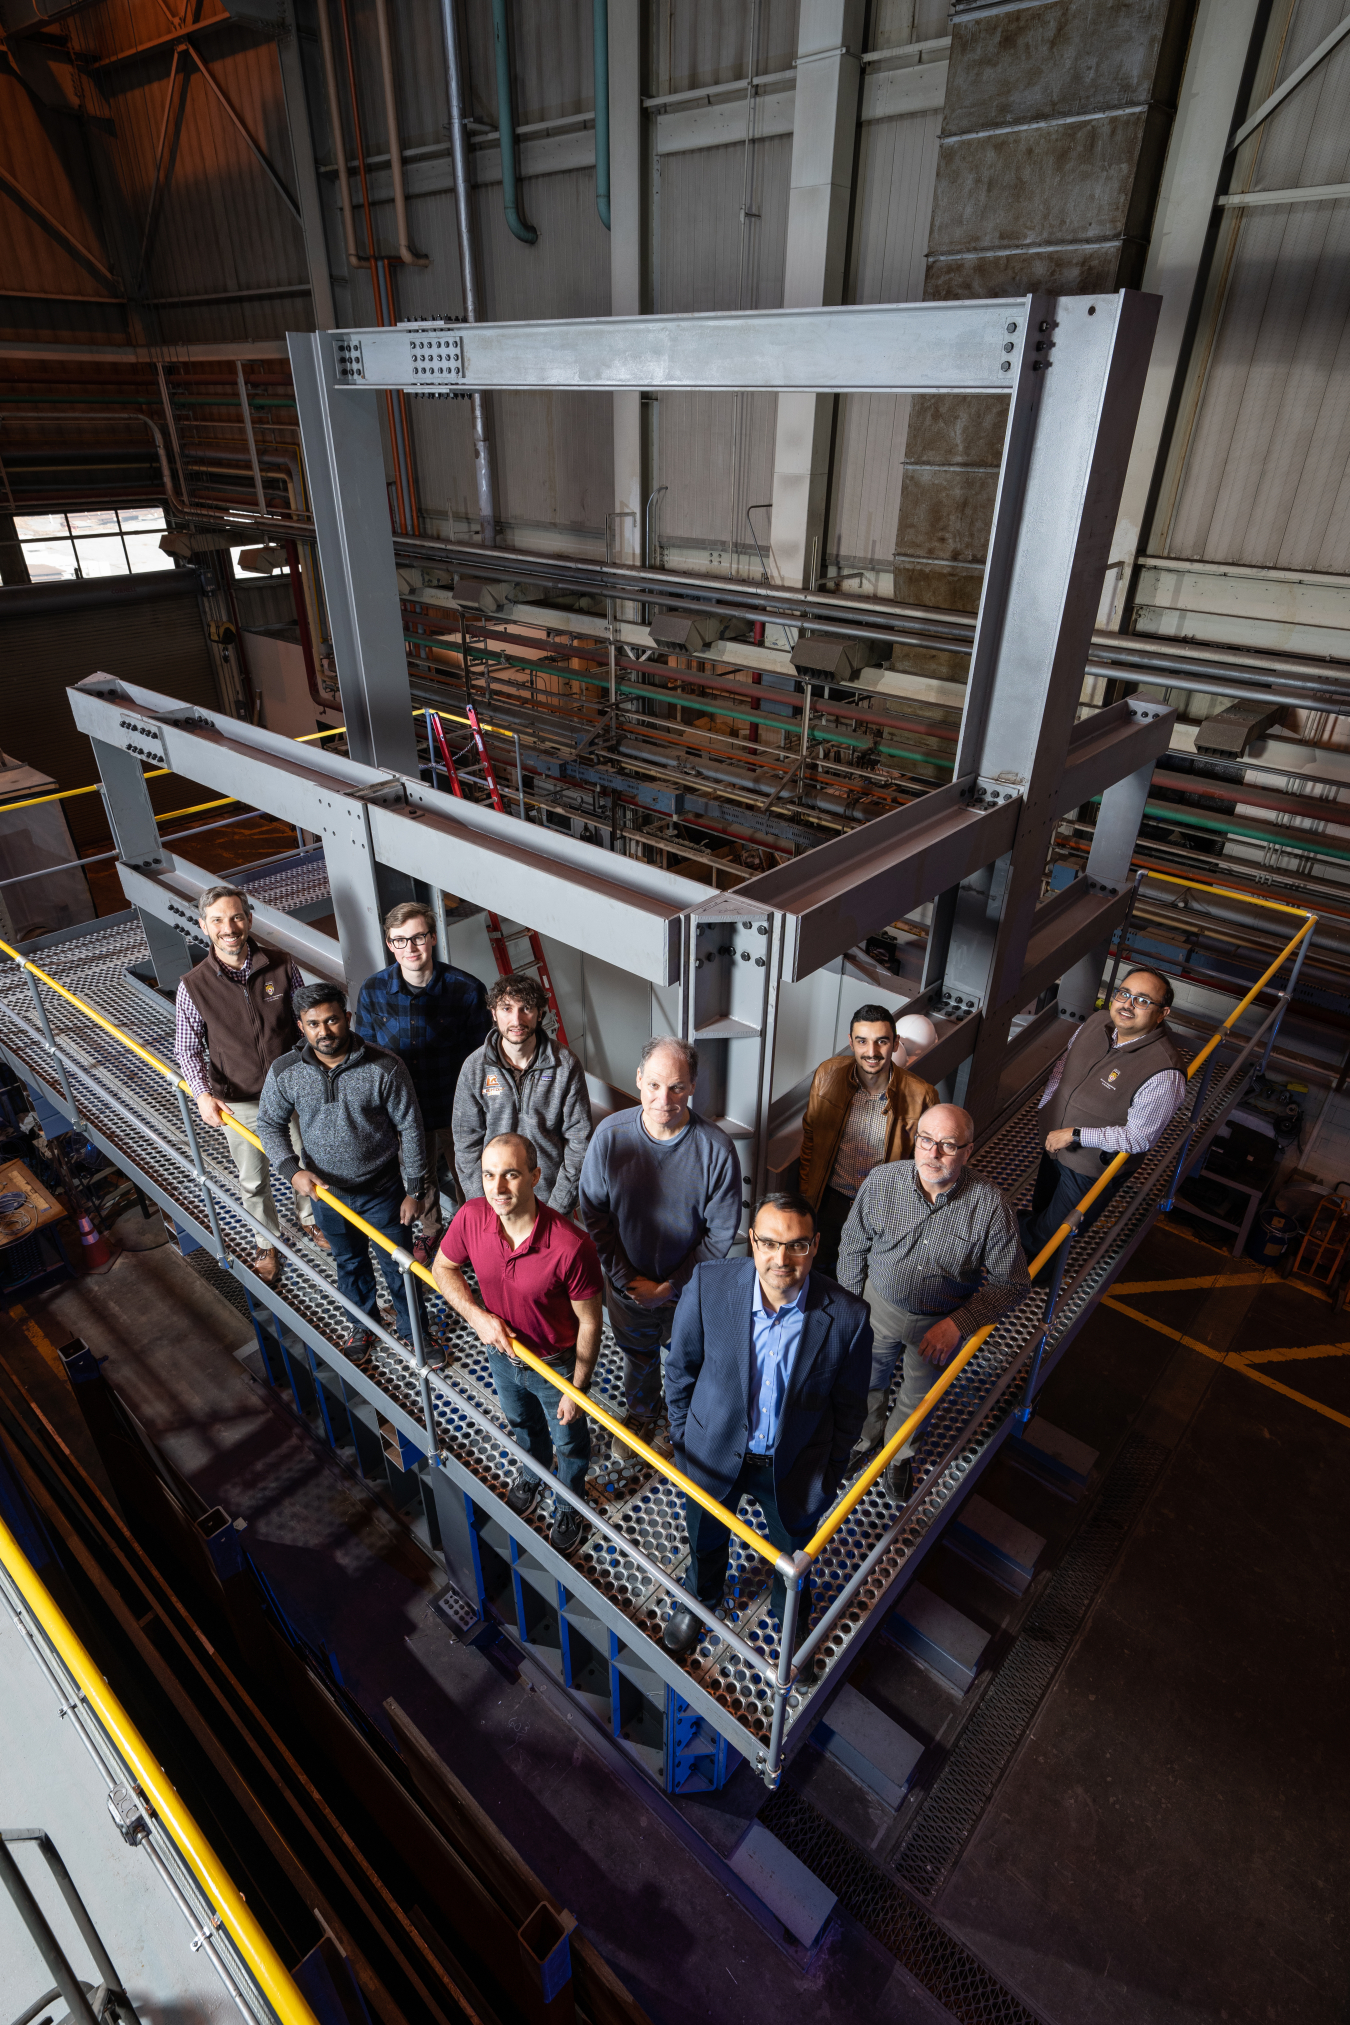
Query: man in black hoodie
x=362, y=1135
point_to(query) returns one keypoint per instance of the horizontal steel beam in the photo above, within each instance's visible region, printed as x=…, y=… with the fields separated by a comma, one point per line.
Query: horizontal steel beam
x=910, y=347
x=1110, y=744
x=171, y=895
x=845, y=890
x=585, y=898
x=1065, y=927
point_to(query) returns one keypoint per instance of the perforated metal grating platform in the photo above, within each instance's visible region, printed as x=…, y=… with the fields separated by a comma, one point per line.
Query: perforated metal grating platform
x=136, y=1112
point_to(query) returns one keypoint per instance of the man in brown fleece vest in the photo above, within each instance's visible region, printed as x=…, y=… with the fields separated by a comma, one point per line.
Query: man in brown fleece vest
x=1113, y=1090
x=233, y=1019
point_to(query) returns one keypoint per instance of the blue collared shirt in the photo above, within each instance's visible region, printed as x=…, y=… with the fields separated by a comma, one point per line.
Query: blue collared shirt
x=774, y=1337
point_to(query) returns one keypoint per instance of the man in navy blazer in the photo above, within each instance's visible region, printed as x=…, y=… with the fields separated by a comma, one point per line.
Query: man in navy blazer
x=766, y=1384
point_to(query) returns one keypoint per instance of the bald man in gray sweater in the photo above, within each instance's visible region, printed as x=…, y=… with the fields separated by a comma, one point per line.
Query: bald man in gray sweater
x=660, y=1191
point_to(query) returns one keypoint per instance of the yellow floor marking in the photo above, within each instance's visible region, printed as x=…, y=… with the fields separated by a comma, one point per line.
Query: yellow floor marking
x=36, y=1337
x=1185, y=1286
x=1233, y=1363
x=1264, y=1275
x=1294, y=1355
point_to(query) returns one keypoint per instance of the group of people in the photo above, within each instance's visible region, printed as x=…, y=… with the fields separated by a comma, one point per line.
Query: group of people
x=777, y=1369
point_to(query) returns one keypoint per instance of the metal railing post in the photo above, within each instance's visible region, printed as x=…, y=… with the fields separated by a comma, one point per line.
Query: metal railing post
x=184, y=1111
x=1288, y=996
x=1024, y=1411
x=52, y=1048
x=1178, y=1175
x=794, y=1569
x=404, y=1261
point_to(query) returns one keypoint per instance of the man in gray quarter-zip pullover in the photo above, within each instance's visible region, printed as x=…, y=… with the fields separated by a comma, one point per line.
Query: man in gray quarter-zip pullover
x=521, y=1081
x=362, y=1136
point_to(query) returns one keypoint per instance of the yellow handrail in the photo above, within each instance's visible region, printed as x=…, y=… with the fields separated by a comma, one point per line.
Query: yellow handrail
x=263, y=1962
x=963, y=1356
x=745, y=1533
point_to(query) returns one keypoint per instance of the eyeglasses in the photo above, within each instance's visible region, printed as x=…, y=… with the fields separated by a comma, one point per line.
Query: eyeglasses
x=941, y=1145
x=1123, y=997
x=796, y=1248
x=412, y=941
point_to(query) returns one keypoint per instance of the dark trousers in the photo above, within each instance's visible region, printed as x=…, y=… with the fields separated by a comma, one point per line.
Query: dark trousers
x=831, y=1217
x=351, y=1248
x=530, y=1404
x=1058, y=1191
x=710, y=1540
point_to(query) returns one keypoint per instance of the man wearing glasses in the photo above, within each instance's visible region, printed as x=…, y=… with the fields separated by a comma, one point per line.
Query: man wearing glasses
x=766, y=1383
x=932, y=1247
x=432, y=1017
x=1113, y=1090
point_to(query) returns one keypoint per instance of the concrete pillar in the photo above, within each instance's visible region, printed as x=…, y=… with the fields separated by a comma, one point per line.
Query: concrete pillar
x=306, y=173
x=829, y=44
x=629, y=294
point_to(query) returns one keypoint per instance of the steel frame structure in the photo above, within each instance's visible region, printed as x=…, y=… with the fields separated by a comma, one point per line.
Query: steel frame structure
x=1071, y=371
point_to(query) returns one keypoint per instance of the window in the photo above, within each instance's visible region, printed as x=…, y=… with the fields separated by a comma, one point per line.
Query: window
x=106, y=542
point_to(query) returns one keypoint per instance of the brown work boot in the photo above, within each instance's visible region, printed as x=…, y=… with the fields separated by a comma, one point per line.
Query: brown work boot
x=312, y=1230
x=267, y=1266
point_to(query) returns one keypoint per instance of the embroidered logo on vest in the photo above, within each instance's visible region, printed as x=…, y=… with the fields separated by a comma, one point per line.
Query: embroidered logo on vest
x=491, y=1086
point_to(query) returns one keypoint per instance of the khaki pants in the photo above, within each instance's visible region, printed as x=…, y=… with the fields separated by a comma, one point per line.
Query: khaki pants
x=439, y=1142
x=251, y=1165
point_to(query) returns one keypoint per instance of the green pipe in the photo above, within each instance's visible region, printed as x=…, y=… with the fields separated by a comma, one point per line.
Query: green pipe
x=1282, y=840
x=687, y=703
x=601, y=28
x=506, y=127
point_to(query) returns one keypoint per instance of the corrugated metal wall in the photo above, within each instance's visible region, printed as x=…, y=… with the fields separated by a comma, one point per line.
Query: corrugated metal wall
x=715, y=451
x=1267, y=475
x=897, y=163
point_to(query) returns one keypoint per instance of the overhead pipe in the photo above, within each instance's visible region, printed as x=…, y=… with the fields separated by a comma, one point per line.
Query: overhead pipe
x=506, y=127
x=600, y=26
x=339, y=140
x=405, y=252
x=459, y=152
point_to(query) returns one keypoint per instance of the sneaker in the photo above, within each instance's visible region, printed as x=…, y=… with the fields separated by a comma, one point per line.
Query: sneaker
x=569, y=1530
x=898, y=1478
x=359, y=1348
x=425, y=1248
x=523, y=1495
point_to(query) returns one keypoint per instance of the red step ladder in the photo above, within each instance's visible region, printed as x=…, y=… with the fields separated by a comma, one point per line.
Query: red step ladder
x=497, y=935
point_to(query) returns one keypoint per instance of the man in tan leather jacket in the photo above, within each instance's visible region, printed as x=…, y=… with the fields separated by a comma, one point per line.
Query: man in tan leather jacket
x=862, y=1111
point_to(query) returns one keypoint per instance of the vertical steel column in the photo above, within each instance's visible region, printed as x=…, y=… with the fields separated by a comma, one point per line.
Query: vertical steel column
x=1071, y=420
x=344, y=467
x=126, y=799
x=1113, y=841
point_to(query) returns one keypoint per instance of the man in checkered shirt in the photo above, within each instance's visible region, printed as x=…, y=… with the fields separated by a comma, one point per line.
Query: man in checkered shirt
x=933, y=1248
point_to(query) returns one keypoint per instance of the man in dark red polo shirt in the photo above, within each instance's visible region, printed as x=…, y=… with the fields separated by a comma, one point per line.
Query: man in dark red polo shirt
x=539, y=1280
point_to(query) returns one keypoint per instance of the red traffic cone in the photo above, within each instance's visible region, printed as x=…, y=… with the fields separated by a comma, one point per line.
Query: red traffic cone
x=98, y=1253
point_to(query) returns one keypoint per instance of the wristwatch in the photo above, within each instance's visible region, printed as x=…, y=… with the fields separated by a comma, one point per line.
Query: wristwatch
x=1076, y=1140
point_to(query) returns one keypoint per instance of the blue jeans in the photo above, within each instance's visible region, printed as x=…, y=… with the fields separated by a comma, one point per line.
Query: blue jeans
x=1058, y=1192
x=641, y=1334
x=351, y=1248
x=530, y=1404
